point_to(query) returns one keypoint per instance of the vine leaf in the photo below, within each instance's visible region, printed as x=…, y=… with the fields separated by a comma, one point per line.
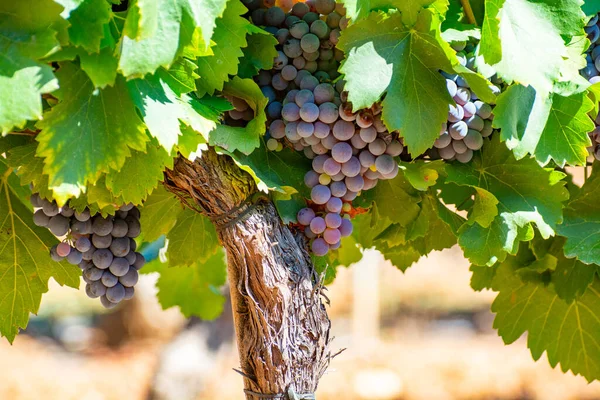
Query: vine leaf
x=87, y=133
x=581, y=224
x=194, y=289
x=259, y=54
x=157, y=32
x=523, y=40
x=244, y=139
x=384, y=56
x=526, y=194
x=230, y=38
x=87, y=19
x=192, y=239
x=25, y=37
x=566, y=331
x=102, y=66
x=140, y=174
x=552, y=128
x=162, y=110
x=25, y=264
x=159, y=214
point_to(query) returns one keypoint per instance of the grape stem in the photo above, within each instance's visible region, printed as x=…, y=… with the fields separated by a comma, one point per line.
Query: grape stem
x=468, y=11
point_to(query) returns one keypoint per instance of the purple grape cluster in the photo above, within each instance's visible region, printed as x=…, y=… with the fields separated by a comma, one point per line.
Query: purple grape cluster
x=591, y=72
x=470, y=120
x=308, y=111
x=102, y=247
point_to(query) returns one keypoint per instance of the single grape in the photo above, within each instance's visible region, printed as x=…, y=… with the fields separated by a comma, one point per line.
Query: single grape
x=341, y=152
x=129, y=292
x=74, y=257
x=443, y=141
x=345, y=227
x=309, y=82
x=88, y=255
x=311, y=179
x=309, y=112
x=300, y=10
x=281, y=35
x=338, y=189
x=120, y=247
x=334, y=37
x=54, y=255
x=334, y=205
x=320, y=194
x=40, y=219
x=36, y=200
x=103, y=299
x=357, y=142
x=324, y=93
x=93, y=274
x=343, y=130
x=364, y=119
x=394, y=148
x=447, y=153
x=332, y=236
x=350, y=195
x=272, y=144
x=369, y=183
x=451, y=86
x=311, y=140
x=63, y=249
x=274, y=110
x=140, y=261
x=355, y=183
x=119, y=266
x=328, y=113
x=131, y=257
x=304, y=96
x=320, y=29
x=95, y=289
x=458, y=130
x=299, y=29
x=292, y=48
x=102, y=258
x=291, y=132
x=290, y=112
x=465, y=157
x=385, y=163
x=305, y=129
x=101, y=242
x=50, y=209
x=81, y=228
x=455, y=113
x=366, y=158
x=475, y=122
x=311, y=66
x=331, y=167
x=317, y=225
x=473, y=140
x=324, y=179
x=279, y=83
x=345, y=112
x=116, y=293
x=321, y=129
x=108, y=279
x=487, y=128
x=469, y=109
x=83, y=244
x=377, y=147
x=277, y=129
x=299, y=63
x=310, y=17
x=351, y=167
x=305, y=215
x=319, y=247
x=133, y=226
x=67, y=211
x=58, y=225
x=102, y=226
x=333, y=20
x=459, y=146
x=132, y=244
x=368, y=135
x=335, y=246
x=333, y=220
x=484, y=110
x=130, y=278
x=310, y=42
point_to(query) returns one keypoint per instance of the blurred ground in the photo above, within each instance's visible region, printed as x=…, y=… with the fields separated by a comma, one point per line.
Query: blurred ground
x=433, y=341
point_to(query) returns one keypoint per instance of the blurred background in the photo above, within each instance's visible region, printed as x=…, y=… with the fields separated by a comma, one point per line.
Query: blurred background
x=420, y=335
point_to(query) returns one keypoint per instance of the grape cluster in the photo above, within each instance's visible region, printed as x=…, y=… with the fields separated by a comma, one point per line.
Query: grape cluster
x=470, y=120
x=591, y=72
x=102, y=247
x=350, y=151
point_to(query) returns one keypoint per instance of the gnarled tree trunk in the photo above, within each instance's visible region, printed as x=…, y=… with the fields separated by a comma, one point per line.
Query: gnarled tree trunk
x=281, y=325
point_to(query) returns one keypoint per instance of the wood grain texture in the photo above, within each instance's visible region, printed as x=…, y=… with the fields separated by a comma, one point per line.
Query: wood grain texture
x=282, y=327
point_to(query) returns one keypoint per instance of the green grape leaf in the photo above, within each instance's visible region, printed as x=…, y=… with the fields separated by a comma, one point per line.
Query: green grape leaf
x=581, y=225
x=482, y=277
x=87, y=133
x=246, y=139
x=140, y=174
x=484, y=208
x=401, y=257
x=566, y=331
x=25, y=37
x=395, y=198
x=162, y=110
x=526, y=194
x=87, y=19
x=156, y=32
x=181, y=77
x=553, y=128
x=524, y=40
x=101, y=66
x=30, y=168
x=160, y=213
x=192, y=239
x=230, y=38
x=288, y=206
x=25, y=263
x=195, y=288
x=383, y=56
x=422, y=175
x=591, y=7
x=572, y=277
x=280, y=171
x=259, y=54
x=368, y=226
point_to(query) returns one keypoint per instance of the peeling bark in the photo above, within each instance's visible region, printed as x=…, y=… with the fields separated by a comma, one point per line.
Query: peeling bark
x=282, y=327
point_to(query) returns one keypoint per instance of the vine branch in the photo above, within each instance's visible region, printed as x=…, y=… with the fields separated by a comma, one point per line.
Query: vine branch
x=468, y=11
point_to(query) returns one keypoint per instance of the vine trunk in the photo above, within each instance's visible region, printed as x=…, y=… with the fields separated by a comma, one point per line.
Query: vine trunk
x=281, y=324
